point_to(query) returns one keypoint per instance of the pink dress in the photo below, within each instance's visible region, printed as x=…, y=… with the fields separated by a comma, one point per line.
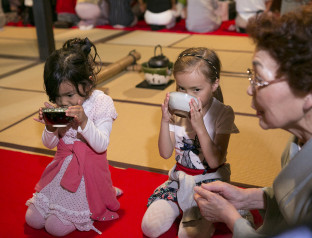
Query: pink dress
x=69, y=201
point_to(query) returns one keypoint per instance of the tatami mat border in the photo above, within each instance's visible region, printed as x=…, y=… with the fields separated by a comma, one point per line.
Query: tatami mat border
x=19, y=70
x=111, y=37
x=21, y=57
x=17, y=122
x=23, y=89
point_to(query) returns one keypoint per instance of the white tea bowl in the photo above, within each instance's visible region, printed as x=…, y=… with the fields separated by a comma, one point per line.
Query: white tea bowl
x=179, y=103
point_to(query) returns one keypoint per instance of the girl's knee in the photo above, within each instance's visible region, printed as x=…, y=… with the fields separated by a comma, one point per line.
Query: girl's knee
x=56, y=227
x=33, y=218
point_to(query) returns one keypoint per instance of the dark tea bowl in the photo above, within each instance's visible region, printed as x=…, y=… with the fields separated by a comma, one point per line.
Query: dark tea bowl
x=56, y=116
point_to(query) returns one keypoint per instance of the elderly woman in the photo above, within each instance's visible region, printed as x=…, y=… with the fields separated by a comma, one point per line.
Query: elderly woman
x=281, y=90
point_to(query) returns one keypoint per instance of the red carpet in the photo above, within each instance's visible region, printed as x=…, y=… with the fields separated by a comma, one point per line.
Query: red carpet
x=224, y=29
x=20, y=172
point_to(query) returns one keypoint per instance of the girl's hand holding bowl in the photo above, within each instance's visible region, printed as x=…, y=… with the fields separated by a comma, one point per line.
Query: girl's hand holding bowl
x=40, y=116
x=179, y=103
x=78, y=113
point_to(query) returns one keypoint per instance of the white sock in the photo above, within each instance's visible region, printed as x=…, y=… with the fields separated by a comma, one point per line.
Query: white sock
x=159, y=217
x=33, y=217
x=118, y=191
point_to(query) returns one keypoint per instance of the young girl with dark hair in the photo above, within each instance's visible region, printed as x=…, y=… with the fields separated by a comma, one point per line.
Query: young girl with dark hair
x=76, y=188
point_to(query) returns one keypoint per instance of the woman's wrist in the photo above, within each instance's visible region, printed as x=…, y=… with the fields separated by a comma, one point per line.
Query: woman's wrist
x=232, y=218
x=254, y=199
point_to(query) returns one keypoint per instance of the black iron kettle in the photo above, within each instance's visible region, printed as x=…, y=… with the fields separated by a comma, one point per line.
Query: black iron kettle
x=158, y=61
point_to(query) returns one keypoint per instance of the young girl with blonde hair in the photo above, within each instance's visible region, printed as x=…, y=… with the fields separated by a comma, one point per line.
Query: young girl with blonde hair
x=200, y=144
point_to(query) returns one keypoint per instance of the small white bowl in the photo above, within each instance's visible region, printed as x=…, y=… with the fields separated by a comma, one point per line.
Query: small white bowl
x=179, y=103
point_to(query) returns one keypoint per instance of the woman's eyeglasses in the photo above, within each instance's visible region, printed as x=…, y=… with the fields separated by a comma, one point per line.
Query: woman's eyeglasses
x=255, y=81
x=258, y=82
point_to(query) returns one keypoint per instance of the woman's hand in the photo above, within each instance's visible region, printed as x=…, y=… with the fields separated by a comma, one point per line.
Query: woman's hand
x=166, y=115
x=233, y=194
x=78, y=113
x=214, y=206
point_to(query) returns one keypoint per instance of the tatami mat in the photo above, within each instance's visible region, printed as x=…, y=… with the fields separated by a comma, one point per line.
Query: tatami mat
x=226, y=43
x=254, y=154
x=236, y=62
x=22, y=41
x=19, y=47
x=134, y=136
x=234, y=91
x=15, y=105
x=111, y=52
x=12, y=65
x=25, y=33
x=149, y=38
x=93, y=34
x=29, y=79
x=124, y=88
x=26, y=133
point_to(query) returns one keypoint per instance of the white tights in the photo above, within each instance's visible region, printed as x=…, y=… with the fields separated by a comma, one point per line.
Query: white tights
x=52, y=224
x=160, y=216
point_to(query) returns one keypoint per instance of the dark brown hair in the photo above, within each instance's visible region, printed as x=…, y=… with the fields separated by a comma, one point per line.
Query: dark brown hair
x=288, y=39
x=74, y=63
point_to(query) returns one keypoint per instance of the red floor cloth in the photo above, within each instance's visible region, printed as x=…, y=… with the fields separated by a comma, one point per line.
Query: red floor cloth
x=224, y=29
x=19, y=172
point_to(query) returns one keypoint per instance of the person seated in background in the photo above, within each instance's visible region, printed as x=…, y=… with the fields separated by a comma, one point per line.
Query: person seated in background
x=248, y=8
x=121, y=14
x=91, y=13
x=180, y=9
x=2, y=17
x=160, y=14
x=66, y=14
x=281, y=91
x=138, y=8
x=287, y=6
x=202, y=16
